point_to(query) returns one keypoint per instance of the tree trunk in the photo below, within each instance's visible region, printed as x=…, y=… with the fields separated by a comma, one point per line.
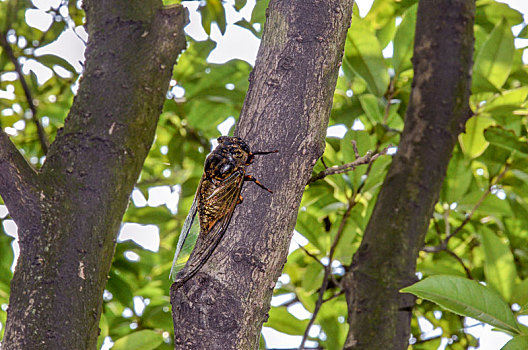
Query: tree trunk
x=287, y=108
x=379, y=316
x=68, y=214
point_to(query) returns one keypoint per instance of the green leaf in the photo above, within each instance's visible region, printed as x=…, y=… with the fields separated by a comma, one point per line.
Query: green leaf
x=505, y=139
x=494, y=12
x=363, y=55
x=524, y=32
x=467, y=298
x=313, y=276
x=119, y=288
x=143, y=340
x=520, y=293
x=494, y=158
x=458, y=179
x=494, y=59
x=281, y=320
x=404, y=41
x=380, y=13
x=517, y=343
x=386, y=33
x=372, y=107
x=259, y=12
x=491, y=205
x=239, y=4
x=51, y=60
x=104, y=331
x=507, y=102
x=499, y=265
x=213, y=11
x=472, y=140
x=245, y=24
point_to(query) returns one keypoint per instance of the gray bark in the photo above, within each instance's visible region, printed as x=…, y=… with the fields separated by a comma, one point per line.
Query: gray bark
x=287, y=108
x=69, y=213
x=379, y=316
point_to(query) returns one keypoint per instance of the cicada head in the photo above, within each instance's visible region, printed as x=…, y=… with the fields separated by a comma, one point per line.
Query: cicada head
x=231, y=154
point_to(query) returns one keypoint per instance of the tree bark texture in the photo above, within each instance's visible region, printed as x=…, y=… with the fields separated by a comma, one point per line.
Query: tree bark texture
x=379, y=316
x=286, y=108
x=68, y=214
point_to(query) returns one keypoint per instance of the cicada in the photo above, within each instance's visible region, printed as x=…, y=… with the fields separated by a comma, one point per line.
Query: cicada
x=216, y=197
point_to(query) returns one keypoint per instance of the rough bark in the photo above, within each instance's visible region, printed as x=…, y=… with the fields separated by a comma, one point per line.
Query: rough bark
x=286, y=108
x=379, y=316
x=68, y=214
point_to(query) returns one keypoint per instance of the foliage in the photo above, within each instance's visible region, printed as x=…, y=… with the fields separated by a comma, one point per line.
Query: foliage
x=478, y=231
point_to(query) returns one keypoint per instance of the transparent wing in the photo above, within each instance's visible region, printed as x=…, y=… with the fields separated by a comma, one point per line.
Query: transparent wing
x=188, y=236
x=227, y=198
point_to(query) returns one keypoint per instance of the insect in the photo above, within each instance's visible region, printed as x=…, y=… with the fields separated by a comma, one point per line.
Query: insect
x=216, y=197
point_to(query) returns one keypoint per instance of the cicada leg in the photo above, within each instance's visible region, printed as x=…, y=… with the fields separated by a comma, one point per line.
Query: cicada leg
x=252, y=155
x=257, y=182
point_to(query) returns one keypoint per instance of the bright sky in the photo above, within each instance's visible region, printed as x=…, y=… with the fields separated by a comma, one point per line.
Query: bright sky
x=236, y=43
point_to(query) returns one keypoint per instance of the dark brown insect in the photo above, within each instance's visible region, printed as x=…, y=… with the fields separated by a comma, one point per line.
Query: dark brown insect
x=215, y=200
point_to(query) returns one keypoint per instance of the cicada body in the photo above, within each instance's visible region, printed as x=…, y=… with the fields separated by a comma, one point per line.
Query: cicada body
x=215, y=200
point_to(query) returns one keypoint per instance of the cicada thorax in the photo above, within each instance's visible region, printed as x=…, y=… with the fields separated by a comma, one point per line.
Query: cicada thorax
x=224, y=172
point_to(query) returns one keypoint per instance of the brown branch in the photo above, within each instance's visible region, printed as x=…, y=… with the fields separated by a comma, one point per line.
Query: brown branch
x=289, y=302
x=18, y=181
x=368, y=158
x=354, y=145
x=459, y=259
x=310, y=255
x=328, y=270
x=43, y=138
x=390, y=95
x=334, y=296
x=443, y=245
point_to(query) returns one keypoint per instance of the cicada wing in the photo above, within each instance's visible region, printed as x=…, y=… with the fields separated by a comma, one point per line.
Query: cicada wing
x=227, y=197
x=188, y=236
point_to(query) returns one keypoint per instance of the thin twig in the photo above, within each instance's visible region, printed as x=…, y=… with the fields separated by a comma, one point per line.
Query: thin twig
x=289, y=302
x=354, y=146
x=459, y=259
x=334, y=296
x=421, y=341
x=443, y=245
x=390, y=95
x=328, y=271
x=368, y=158
x=310, y=255
x=351, y=204
x=322, y=161
x=43, y=139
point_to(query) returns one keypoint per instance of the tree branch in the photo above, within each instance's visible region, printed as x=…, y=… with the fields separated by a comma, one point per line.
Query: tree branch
x=328, y=271
x=461, y=262
x=285, y=108
x=368, y=158
x=18, y=185
x=395, y=233
x=43, y=138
